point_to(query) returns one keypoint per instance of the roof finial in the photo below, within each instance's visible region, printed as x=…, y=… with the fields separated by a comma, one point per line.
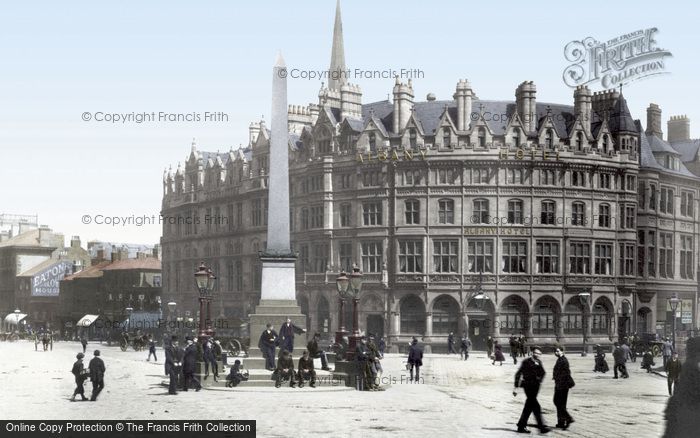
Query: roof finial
x=194, y=144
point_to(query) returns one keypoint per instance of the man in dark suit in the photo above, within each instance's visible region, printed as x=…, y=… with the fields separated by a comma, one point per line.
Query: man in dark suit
x=287, y=332
x=97, y=375
x=619, y=357
x=284, y=370
x=189, y=366
x=673, y=373
x=266, y=344
x=415, y=359
x=532, y=374
x=562, y=383
x=172, y=364
x=305, y=370
x=315, y=351
x=451, y=343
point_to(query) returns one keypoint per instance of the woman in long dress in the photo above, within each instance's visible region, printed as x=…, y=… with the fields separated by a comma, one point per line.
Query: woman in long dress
x=497, y=354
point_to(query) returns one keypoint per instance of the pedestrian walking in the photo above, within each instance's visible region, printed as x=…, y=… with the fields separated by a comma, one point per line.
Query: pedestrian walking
x=682, y=419
x=522, y=345
x=415, y=359
x=673, y=373
x=286, y=335
x=267, y=343
x=80, y=373
x=529, y=377
x=451, y=343
x=497, y=354
x=563, y=382
x=489, y=346
x=382, y=346
x=84, y=343
x=189, y=365
x=627, y=351
x=619, y=358
x=151, y=349
x=173, y=364
x=667, y=351
x=513, y=344
x=464, y=347
x=97, y=375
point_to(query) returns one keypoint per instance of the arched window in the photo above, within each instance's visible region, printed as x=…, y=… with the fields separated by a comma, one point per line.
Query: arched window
x=606, y=144
x=579, y=141
x=445, y=315
x=572, y=318
x=545, y=316
x=513, y=315
x=601, y=317
x=412, y=316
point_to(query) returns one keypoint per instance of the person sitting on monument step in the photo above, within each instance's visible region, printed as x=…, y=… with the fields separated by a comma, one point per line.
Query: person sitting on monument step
x=315, y=351
x=235, y=376
x=284, y=370
x=267, y=344
x=305, y=370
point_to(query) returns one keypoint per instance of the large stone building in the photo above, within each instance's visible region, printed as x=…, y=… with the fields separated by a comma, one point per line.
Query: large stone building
x=531, y=202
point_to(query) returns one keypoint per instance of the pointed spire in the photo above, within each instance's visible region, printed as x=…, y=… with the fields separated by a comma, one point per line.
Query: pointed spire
x=279, y=62
x=337, y=68
x=194, y=144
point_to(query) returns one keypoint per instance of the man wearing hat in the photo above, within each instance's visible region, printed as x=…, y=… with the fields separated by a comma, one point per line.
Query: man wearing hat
x=266, y=344
x=529, y=377
x=415, y=359
x=80, y=375
x=682, y=419
x=287, y=332
x=315, y=351
x=97, y=375
x=172, y=364
x=362, y=356
x=189, y=365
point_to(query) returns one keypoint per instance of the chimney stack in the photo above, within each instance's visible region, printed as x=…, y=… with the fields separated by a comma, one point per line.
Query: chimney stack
x=583, y=106
x=75, y=242
x=463, y=96
x=525, y=102
x=654, y=121
x=678, y=128
x=403, y=104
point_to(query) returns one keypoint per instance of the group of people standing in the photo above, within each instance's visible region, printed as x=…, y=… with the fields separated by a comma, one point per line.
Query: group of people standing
x=464, y=345
x=180, y=365
x=95, y=372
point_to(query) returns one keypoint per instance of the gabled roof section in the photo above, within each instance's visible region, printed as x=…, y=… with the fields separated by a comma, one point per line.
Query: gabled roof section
x=620, y=117
x=688, y=149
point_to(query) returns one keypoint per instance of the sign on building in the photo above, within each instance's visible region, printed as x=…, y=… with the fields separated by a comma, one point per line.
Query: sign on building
x=46, y=282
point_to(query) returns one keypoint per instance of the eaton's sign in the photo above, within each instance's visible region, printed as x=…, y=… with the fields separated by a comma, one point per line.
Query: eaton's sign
x=45, y=283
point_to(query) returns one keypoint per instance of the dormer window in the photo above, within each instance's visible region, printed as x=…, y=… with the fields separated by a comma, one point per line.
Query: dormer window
x=579, y=141
x=482, y=138
x=372, y=142
x=549, y=139
x=412, y=138
x=446, y=137
x=516, y=138
x=605, y=143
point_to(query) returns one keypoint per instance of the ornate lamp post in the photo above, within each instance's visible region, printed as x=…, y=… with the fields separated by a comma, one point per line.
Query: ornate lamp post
x=341, y=283
x=583, y=297
x=352, y=285
x=205, y=281
x=674, y=301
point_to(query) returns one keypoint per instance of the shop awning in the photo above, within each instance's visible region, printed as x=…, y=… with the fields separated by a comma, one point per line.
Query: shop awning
x=14, y=318
x=87, y=320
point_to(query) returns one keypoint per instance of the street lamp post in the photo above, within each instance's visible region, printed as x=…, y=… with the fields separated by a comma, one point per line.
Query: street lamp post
x=352, y=285
x=341, y=284
x=205, y=280
x=583, y=297
x=17, y=312
x=674, y=301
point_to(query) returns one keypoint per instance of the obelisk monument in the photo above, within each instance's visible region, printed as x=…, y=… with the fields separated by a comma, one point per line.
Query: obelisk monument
x=278, y=292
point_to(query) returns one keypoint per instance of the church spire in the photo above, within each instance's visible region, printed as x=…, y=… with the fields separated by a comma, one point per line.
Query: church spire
x=337, y=68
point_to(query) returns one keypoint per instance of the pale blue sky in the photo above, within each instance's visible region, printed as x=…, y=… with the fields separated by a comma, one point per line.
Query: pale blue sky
x=61, y=59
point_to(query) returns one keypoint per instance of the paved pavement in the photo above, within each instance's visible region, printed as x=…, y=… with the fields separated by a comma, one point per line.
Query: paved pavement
x=455, y=399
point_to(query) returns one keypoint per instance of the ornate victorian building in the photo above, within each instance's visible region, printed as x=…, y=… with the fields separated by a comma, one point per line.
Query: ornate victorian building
x=532, y=203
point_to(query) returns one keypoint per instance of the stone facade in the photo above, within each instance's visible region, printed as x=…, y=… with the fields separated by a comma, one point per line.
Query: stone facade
x=540, y=201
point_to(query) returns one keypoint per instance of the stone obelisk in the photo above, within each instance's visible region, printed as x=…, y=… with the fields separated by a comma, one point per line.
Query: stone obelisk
x=278, y=292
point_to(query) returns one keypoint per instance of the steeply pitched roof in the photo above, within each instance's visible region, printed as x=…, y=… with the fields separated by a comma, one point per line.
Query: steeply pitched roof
x=94, y=271
x=647, y=159
x=687, y=148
